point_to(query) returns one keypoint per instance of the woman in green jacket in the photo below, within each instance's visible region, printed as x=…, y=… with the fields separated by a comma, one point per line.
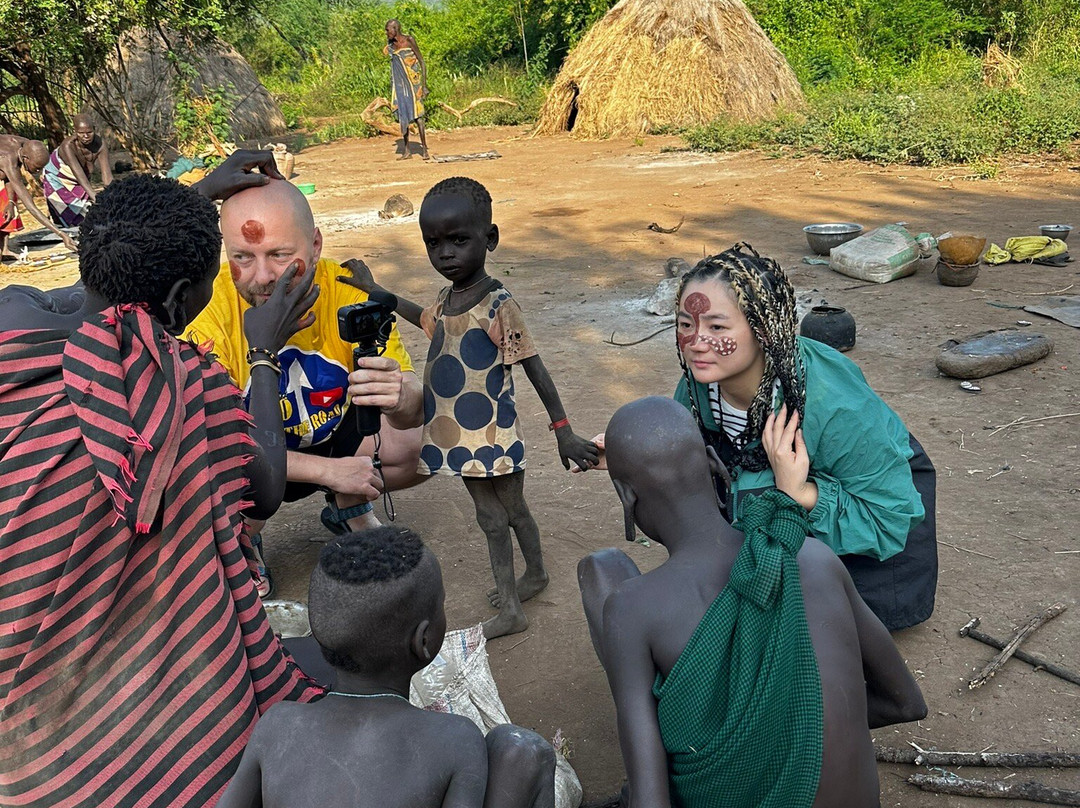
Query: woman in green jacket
x=793, y=414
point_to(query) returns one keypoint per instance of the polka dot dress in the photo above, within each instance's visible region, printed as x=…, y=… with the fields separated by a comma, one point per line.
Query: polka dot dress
x=471, y=428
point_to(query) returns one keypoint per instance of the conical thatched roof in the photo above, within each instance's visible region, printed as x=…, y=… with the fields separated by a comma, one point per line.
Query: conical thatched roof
x=654, y=63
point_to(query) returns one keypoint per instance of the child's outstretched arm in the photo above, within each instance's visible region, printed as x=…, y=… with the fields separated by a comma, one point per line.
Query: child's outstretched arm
x=571, y=447
x=360, y=277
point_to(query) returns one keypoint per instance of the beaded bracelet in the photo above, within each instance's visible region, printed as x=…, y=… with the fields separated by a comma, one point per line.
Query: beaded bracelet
x=267, y=364
x=558, y=424
x=270, y=355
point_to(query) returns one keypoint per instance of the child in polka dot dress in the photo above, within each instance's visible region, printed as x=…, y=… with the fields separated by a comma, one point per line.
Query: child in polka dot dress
x=471, y=426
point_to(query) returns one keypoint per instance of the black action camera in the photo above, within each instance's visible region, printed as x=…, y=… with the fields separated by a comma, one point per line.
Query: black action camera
x=367, y=326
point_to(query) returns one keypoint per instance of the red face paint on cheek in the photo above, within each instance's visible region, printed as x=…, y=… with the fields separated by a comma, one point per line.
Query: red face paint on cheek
x=724, y=346
x=253, y=231
x=695, y=305
x=234, y=270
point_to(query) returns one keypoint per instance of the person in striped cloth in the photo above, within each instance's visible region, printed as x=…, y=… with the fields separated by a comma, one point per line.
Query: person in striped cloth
x=135, y=655
x=746, y=669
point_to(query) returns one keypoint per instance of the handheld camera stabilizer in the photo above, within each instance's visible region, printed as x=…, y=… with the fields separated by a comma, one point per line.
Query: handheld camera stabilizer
x=367, y=325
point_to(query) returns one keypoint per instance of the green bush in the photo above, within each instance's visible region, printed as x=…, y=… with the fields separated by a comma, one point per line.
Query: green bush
x=936, y=112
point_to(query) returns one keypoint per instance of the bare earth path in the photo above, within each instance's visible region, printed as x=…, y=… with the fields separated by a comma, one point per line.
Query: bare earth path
x=576, y=252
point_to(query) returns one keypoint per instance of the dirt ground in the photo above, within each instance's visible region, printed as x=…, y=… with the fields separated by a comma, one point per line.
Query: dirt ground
x=577, y=253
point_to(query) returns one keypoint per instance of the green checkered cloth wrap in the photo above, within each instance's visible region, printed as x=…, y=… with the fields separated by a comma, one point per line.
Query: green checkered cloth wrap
x=741, y=713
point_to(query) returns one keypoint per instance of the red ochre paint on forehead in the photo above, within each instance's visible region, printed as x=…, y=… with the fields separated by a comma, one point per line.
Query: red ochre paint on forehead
x=253, y=231
x=695, y=305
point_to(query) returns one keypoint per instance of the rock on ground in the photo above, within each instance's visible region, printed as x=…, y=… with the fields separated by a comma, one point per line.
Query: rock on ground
x=992, y=352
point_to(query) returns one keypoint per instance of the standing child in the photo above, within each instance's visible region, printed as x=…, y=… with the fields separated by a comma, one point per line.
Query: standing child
x=471, y=427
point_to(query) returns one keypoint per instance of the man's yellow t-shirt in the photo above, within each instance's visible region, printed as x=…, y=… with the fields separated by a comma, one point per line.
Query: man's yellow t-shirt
x=315, y=363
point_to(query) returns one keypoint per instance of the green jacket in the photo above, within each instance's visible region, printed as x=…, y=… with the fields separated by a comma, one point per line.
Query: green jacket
x=859, y=452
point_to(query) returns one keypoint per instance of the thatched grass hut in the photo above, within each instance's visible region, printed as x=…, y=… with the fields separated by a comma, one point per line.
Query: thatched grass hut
x=654, y=63
x=135, y=94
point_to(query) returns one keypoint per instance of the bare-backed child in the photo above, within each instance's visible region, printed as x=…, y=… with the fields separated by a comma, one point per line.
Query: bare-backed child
x=376, y=610
x=746, y=669
x=471, y=425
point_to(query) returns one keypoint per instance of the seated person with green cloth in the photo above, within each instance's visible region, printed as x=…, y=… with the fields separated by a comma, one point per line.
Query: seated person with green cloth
x=376, y=607
x=746, y=669
x=265, y=229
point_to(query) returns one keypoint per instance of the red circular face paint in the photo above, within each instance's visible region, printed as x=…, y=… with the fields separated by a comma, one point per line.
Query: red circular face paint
x=253, y=231
x=301, y=267
x=697, y=304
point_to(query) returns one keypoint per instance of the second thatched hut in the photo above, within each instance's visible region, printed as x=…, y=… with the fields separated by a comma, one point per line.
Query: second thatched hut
x=654, y=63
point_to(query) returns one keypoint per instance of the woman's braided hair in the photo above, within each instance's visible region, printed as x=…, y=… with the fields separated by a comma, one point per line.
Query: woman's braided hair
x=766, y=298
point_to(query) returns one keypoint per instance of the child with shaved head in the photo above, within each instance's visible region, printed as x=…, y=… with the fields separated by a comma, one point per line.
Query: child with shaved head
x=376, y=610
x=746, y=669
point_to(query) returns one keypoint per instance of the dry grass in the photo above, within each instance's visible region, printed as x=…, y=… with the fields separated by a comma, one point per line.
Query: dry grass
x=999, y=68
x=650, y=64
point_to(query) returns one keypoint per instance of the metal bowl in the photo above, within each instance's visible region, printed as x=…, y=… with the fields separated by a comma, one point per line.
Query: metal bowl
x=1060, y=231
x=823, y=237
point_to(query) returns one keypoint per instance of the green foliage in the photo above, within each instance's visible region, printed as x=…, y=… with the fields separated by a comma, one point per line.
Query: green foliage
x=931, y=114
x=324, y=59
x=886, y=80
x=196, y=116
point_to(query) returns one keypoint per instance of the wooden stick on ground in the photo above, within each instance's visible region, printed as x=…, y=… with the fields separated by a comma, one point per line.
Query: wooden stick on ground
x=1037, y=662
x=1036, y=792
x=1018, y=637
x=494, y=99
x=1012, y=760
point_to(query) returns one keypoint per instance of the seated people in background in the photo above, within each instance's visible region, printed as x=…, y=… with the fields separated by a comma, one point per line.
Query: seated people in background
x=376, y=610
x=746, y=669
x=17, y=153
x=66, y=177
x=265, y=230
x=135, y=656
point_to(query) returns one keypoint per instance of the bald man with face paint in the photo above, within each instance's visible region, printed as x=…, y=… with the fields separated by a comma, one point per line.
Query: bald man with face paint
x=266, y=229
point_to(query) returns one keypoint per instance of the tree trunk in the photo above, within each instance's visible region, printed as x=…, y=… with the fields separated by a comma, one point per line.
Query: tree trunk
x=21, y=65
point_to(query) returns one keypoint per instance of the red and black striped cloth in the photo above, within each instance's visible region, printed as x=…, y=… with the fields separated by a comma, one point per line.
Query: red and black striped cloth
x=135, y=655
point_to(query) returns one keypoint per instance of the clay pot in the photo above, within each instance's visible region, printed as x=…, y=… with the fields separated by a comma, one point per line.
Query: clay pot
x=957, y=275
x=832, y=325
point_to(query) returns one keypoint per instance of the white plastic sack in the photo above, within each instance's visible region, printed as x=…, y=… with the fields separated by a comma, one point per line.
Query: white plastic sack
x=882, y=255
x=459, y=681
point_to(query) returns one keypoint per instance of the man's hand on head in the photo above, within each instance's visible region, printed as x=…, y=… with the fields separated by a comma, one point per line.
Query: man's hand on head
x=359, y=276
x=376, y=383
x=242, y=169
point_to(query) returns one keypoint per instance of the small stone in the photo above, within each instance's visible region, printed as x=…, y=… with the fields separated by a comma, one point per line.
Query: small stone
x=663, y=301
x=992, y=352
x=676, y=267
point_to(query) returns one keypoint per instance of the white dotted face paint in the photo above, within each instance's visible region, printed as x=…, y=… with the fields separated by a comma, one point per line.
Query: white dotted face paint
x=724, y=346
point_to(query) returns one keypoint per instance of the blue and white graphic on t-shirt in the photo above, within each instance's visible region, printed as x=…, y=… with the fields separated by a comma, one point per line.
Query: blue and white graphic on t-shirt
x=313, y=392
